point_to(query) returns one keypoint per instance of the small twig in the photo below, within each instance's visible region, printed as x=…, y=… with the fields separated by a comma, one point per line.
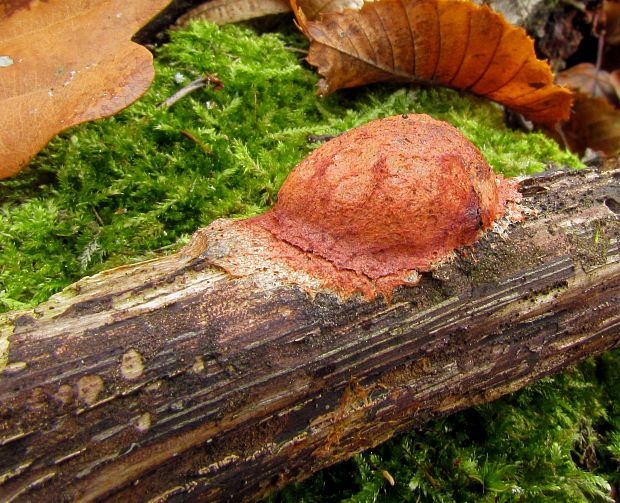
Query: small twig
x=600, y=49
x=197, y=141
x=558, y=129
x=97, y=217
x=600, y=33
x=191, y=87
x=297, y=49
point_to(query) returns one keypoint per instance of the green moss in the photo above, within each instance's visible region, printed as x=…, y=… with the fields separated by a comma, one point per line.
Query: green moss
x=134, y=186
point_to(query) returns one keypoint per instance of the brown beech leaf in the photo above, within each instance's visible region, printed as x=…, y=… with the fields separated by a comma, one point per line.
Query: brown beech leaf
x=233, y=11
x=312, y=8
x=63, y=62
x=611, y=21
x=594, y=124
x=614, y=79
x=585, y=78
x=447, y=42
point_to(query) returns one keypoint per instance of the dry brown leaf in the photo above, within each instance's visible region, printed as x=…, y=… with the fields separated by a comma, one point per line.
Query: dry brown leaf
x=594, y=124
x=611, y=21
x=233, y=11
x=614, y=79
x=448, y=42
x=585, y=78
x=312, y=8
x=63, y=62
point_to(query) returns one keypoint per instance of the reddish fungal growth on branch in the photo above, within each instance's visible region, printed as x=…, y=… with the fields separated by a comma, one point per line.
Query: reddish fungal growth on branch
x=373, y=207
x=393, y=195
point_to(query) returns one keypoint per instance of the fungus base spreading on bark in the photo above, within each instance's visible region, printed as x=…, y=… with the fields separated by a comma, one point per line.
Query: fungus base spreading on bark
x=369, y=210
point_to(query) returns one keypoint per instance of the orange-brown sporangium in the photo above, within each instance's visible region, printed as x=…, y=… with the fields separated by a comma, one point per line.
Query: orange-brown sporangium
x=371, y=209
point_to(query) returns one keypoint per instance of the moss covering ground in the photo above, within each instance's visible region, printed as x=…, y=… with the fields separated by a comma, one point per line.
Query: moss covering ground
x=138, y=184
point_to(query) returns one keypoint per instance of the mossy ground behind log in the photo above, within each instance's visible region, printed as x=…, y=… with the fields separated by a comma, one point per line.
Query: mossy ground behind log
x=138, y=184
x=125, y=188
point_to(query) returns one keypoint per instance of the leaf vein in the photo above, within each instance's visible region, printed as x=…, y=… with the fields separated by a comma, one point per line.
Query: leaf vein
x=496, y=48
x=373, y=64
x=387, y=36
x=460, y=66
x=400, y=2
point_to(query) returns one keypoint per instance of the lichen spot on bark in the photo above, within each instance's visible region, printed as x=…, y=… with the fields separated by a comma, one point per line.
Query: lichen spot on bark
x=143, y=422
x=131, y=365
x=199, y=365
x=88, y=388
x=64, y=394
x=14, y=368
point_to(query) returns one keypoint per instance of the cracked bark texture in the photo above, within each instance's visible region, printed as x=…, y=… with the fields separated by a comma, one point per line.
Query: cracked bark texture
x=172, y=380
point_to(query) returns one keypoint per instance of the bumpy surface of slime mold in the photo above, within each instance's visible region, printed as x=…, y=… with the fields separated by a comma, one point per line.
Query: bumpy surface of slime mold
x=370, y=209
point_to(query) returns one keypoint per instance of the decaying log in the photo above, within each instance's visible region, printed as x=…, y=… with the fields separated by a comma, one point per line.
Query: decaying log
x=172, y=380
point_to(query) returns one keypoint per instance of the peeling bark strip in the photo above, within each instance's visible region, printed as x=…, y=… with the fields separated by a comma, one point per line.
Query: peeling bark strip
x=170, y=380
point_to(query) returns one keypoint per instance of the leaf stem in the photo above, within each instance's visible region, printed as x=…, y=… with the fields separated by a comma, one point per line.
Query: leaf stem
x=197, y=141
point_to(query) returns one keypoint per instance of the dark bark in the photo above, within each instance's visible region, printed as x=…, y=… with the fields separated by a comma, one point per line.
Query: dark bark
x=174, y=380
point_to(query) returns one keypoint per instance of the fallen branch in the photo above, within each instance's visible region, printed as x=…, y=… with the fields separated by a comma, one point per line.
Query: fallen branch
x=171, y=379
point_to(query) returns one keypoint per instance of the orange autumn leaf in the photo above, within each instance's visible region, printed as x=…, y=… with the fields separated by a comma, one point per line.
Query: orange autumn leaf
x=63, y=62
x=446, y=42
